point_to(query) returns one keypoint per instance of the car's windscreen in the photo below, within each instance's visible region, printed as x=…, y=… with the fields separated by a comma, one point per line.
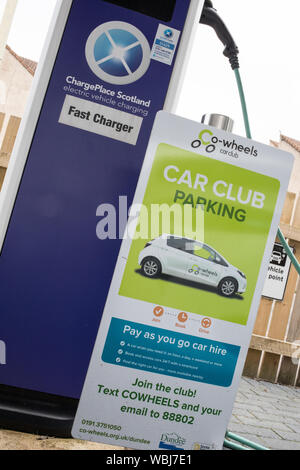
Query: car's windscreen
x=204, y=252
x=197, y=249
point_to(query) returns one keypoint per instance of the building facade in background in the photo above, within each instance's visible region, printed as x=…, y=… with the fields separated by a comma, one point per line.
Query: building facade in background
x=288, y=144
x=16, y=75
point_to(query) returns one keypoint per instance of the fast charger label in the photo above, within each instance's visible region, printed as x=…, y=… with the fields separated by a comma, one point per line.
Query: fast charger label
x=187, y=285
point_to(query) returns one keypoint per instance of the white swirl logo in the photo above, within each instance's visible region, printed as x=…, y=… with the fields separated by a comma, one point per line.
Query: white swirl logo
x=118, y=53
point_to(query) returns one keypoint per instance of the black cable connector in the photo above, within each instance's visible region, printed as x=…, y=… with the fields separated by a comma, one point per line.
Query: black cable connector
x=211, y=18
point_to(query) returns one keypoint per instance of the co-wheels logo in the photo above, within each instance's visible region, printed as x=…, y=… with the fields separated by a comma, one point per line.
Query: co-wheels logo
x=197, y=270
x=206, y=139
x=118, y=53
x=231, y=148
x=172, y=442
x=2, y=353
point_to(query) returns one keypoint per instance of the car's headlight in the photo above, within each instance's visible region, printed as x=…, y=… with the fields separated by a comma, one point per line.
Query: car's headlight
x=242, y=274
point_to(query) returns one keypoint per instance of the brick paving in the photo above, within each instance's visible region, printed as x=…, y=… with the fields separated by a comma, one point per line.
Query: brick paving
x=268, y=414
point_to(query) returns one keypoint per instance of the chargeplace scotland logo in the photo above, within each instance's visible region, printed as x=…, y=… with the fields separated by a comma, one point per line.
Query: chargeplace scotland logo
x=118, y=53
x=168, y=33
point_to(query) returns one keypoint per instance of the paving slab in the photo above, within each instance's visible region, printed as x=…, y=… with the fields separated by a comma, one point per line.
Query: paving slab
x=267, y=414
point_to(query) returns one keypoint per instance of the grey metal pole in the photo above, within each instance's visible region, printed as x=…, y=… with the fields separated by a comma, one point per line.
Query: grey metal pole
x=219, y=121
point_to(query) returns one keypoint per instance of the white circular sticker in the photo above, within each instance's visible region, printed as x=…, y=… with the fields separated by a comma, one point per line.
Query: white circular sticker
x=118, y=53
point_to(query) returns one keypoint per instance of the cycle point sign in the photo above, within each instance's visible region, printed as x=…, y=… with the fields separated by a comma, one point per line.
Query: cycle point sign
x=180, y=312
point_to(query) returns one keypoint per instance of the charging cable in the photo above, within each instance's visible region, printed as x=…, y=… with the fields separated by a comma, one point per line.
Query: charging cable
x=248, y=133
x=211, y=18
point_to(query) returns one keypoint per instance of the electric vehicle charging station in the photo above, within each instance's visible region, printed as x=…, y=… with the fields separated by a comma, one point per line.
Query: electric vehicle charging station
x=107, y=68
x=39, y=204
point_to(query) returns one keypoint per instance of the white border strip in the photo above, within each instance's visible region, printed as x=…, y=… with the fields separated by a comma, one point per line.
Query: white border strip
x=183, y=55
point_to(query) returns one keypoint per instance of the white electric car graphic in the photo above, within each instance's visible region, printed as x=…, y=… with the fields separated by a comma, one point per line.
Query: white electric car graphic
x=191, y=260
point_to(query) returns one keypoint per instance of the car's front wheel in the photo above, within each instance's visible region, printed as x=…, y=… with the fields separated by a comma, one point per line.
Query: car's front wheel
x=151, y=267
x=228, y=287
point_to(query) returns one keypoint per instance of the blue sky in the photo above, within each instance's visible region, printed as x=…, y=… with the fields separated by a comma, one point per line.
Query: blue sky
x=269, y=41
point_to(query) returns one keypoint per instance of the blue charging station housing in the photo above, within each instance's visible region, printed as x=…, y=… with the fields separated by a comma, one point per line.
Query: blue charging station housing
x=54, y=271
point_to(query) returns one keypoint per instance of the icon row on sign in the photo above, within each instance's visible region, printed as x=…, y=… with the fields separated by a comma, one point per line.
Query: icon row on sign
x=182, y=317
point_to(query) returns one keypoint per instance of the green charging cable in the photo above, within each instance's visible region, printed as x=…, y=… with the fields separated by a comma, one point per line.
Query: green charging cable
x=248, y=133
x=211, y=18
x=243, y=102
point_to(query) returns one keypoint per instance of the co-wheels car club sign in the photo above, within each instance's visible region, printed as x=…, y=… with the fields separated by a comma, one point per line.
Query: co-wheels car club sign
x=186, y=289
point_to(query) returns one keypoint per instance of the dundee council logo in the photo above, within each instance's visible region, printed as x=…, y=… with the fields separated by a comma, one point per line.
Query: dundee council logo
x=118, y=53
